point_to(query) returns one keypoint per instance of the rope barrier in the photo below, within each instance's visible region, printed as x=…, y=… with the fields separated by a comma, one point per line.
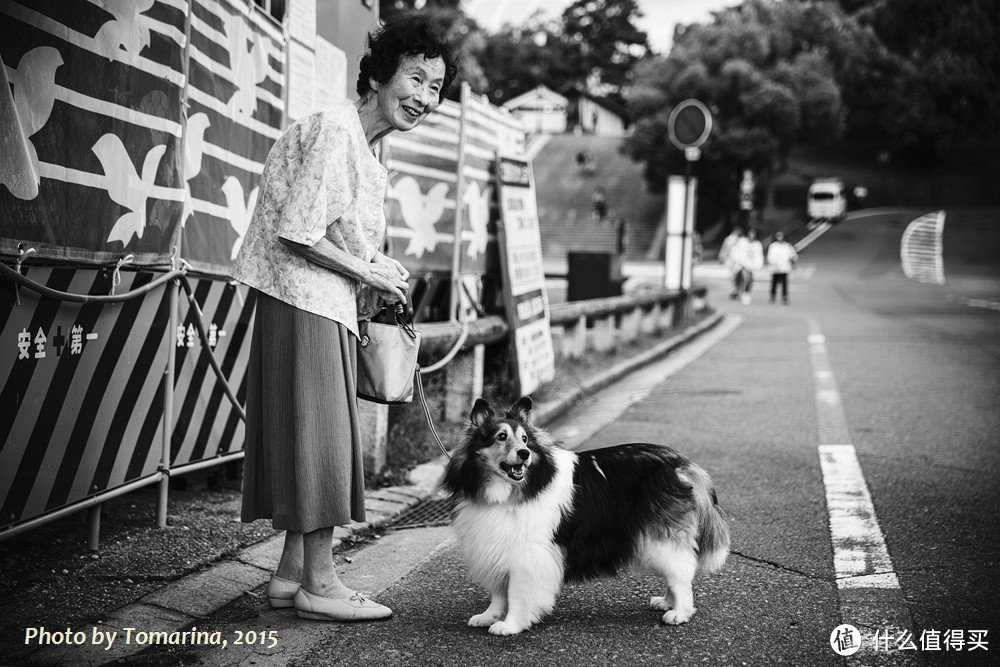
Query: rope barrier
x=45, y=291
x=446, y=359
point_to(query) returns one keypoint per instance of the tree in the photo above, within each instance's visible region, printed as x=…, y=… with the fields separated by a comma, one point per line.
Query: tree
x=601, y=37
x=921, y=75
x=594, y=45
x=765, y=69
x=389, y=9
x=949, y=83
x=516, y=59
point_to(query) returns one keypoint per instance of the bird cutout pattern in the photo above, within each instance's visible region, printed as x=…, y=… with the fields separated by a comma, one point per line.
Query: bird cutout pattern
x=194, y=151
x=125, y=33
x=15, y=169
x=247, y=63
x=33, y=88
x=240, y=209
x=478, y=206
x=125, y=186
x=421, y=212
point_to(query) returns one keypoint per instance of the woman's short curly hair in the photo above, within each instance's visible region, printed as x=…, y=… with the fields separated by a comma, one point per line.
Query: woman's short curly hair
x=407, y=36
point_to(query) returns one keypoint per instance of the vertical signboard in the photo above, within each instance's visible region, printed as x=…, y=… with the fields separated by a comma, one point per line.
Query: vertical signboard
x=524, y=278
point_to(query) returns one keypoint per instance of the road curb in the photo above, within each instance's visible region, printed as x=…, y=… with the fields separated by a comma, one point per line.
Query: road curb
x=183, y=601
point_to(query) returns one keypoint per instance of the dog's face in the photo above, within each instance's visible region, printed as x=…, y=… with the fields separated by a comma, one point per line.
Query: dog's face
x=501, y=444
x=497, y=455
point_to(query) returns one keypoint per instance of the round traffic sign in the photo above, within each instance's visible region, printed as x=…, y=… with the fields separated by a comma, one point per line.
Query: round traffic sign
x=689, y=124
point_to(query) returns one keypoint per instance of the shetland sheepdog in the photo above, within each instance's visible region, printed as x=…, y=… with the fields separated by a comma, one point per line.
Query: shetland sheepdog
x=530, y=515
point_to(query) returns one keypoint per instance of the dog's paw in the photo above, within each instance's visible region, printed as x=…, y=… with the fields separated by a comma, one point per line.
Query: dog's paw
x=676, y=616
x=505, y=628
x=660, y=603
x=483, y=620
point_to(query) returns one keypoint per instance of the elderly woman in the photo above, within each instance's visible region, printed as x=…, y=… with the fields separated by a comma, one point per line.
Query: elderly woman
x=312, y=254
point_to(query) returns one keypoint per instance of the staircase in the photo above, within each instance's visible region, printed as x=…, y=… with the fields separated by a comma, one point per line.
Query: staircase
x=565, y=200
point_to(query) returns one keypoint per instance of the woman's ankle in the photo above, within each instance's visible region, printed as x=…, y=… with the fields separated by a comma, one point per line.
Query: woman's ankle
x=327, y=587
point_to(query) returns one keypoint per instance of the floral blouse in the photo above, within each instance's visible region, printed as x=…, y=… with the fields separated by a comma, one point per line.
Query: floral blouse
x=320, y=180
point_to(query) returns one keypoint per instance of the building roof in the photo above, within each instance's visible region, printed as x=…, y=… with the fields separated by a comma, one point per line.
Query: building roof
x=535, y=99
x=604, y=102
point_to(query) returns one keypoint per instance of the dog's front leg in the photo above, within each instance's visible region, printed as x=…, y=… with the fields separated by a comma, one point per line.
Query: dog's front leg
x=530, y=595
x=495, y=612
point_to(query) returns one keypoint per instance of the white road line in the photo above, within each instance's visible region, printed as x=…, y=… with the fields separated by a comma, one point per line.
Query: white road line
x=858, y=544
x=821, y=229
x=860, y=556
x=870, y=594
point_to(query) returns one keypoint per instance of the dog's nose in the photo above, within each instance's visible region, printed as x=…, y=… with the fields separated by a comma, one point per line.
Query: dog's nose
x=523, y=454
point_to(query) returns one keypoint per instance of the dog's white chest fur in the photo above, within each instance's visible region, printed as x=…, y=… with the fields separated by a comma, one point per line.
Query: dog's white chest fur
x=498, y=536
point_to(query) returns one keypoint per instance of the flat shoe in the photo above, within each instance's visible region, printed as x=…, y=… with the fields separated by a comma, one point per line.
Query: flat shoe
x=280, y=592
x=355, y=608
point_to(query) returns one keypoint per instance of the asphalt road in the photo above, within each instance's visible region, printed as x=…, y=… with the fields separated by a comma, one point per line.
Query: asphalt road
x=916, y=369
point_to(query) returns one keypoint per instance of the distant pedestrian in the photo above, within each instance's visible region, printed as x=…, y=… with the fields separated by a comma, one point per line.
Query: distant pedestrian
x=781, y=257
x=727, y=256
x=750, y=255
x=621, y=230
x=599, y=201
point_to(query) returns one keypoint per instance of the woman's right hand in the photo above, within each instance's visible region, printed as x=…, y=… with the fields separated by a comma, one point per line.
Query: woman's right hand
x=387, y=280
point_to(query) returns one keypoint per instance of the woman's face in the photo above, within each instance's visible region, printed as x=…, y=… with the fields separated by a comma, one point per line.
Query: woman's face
x=412, y=92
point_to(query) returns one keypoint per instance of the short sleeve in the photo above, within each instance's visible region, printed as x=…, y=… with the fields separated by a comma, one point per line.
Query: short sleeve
x=320, y=188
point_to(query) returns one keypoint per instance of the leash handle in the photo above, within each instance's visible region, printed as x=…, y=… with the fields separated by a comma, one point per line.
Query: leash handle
x=405, y=323
x=427, y=413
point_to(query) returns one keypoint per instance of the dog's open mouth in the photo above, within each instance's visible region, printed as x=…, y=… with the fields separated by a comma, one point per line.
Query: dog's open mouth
x=515, y=472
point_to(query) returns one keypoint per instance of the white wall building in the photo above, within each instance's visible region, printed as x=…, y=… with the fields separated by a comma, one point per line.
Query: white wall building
x=542, y=110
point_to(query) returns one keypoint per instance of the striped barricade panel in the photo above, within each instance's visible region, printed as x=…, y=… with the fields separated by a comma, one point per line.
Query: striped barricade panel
x=81, y=401
x=205, y=422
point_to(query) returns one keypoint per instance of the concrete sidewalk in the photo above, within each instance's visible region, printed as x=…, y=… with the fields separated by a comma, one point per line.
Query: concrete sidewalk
x=181, y=603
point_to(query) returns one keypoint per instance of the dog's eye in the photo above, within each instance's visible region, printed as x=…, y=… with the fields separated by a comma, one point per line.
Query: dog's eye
x=524, y=438
x=502, y=435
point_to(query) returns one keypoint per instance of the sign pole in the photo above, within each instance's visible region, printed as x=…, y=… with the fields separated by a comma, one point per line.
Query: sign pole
x=688, y=127
x=685, y=234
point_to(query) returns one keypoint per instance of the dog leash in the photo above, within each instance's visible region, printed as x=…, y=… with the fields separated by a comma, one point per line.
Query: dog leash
x=427, y=412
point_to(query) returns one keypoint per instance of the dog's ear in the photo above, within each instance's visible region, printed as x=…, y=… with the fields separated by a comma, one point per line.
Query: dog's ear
x=481, y=412
x=521, y=410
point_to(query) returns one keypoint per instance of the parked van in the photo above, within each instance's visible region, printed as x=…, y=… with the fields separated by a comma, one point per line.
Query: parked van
x=827, y=200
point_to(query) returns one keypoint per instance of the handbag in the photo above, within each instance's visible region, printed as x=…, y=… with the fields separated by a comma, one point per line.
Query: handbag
x=387, y=357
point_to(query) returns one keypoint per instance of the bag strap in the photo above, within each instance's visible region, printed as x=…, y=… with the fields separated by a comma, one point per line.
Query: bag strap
x=403, y=318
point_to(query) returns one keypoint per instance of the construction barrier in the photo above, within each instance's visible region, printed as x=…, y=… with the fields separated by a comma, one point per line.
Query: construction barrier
x=82, y=400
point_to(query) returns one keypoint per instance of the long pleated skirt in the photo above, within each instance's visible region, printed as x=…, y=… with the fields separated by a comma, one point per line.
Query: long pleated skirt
x=303, y=467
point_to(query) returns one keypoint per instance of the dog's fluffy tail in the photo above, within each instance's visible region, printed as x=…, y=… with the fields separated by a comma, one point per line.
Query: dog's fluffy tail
x=713, y=531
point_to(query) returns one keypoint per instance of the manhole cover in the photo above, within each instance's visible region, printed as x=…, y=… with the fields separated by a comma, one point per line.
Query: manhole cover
x=430, y=512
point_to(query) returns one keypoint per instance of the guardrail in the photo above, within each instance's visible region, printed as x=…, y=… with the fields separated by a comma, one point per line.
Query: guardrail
x=577, y=327
x=602, y=324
